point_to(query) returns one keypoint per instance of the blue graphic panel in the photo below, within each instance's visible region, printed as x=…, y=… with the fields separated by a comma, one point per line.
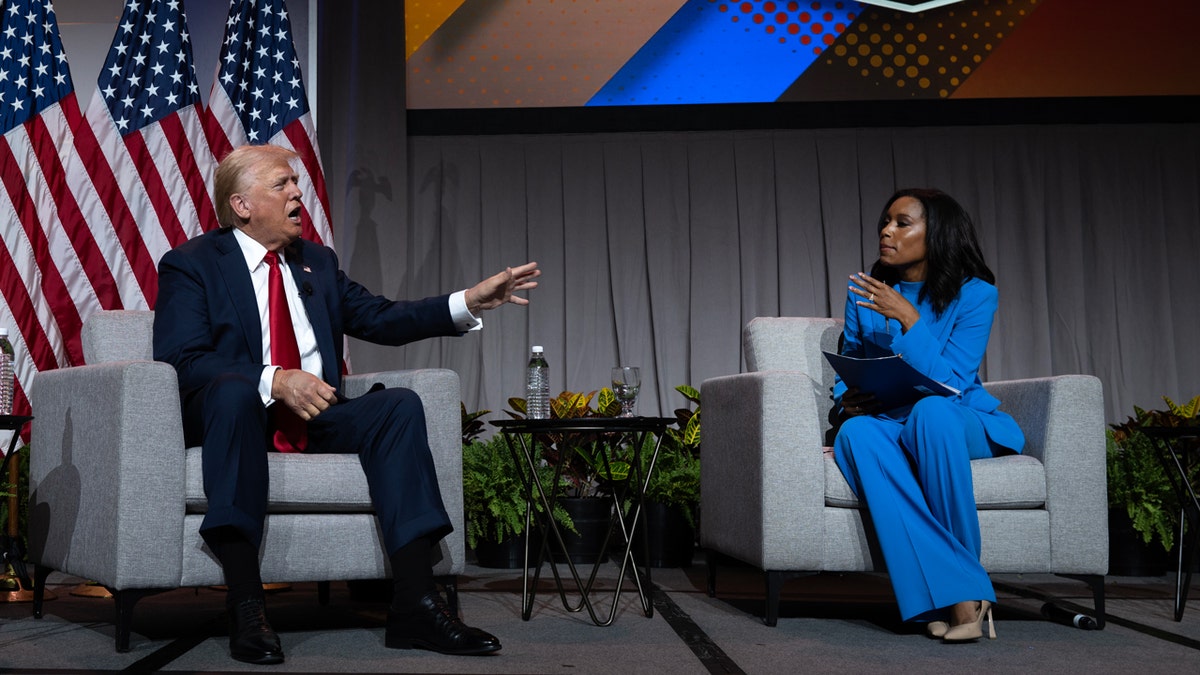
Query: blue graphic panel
x=712, y=51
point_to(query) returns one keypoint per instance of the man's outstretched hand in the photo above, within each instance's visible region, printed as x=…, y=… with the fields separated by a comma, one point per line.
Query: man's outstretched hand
x=499, y=288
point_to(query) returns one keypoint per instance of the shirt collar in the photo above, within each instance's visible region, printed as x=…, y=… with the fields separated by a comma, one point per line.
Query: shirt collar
x=253, y=251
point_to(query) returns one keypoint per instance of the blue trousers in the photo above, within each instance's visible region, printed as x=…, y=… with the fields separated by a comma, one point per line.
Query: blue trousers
x=385, y=428
x=914, y=475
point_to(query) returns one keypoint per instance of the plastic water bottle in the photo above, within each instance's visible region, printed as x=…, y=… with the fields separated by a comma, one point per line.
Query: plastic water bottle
x=537, y=386
x=1067, y=618
x=8, y=384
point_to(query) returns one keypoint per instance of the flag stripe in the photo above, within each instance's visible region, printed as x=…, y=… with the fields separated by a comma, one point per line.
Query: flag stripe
x=69, y=215
x=120, y=217
x=52, y=287
x=21, y=306
x=217, y=119
x=302, y=144
x=156, y=191
x=185, y=158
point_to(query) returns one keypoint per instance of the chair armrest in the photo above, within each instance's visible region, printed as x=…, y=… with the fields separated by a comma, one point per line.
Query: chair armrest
x=1063, y=421
x=762, y=463
x=106, y=476
x=441, y=397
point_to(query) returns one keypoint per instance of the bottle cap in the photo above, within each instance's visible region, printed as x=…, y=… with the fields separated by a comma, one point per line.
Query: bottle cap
x=537, y=348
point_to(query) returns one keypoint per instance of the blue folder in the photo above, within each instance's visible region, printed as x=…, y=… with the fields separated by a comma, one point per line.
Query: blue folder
x=893, y=380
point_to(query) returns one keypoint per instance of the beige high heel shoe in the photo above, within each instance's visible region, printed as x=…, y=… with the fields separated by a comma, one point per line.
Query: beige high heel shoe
x=966, y=632
x=936, y=629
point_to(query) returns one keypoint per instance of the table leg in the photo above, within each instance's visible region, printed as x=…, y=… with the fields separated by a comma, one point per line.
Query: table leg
x=1189, y=514
x=526, y=458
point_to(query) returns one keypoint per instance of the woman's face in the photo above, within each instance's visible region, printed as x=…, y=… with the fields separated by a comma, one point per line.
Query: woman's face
x=902, y=239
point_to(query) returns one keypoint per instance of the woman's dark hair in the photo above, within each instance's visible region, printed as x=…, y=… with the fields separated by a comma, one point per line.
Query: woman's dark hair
x=952, y=254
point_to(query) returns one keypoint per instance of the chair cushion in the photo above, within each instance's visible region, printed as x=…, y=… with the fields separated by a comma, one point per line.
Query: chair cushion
x=300, y=483
x=1008, y=482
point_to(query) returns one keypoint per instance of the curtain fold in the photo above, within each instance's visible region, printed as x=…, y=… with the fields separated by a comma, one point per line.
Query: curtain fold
x=657, y=248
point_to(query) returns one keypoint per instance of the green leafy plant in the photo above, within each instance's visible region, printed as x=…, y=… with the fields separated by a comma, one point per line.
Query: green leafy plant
x=579, y=455
x=1137, y=481
x=676, y=477
x=472, y=425
x=21, y=490
x=493, y=494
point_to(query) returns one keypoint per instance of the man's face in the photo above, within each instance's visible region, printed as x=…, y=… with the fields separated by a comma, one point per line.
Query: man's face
x=270, y=204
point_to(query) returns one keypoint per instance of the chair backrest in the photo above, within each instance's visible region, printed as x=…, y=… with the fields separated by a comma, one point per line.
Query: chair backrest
x=118, y=335
x=792, y=343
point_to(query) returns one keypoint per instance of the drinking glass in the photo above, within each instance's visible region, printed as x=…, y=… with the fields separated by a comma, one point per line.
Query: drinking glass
x=626, y=381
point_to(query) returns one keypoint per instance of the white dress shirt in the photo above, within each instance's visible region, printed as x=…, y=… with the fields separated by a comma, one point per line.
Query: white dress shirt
x=306, y=338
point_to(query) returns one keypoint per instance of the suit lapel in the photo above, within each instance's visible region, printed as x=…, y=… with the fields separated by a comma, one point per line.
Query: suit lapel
x=232, y=265
x=313, y=293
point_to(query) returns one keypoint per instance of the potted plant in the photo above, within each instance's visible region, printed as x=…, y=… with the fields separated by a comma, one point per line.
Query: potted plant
x=588, y=477
x=1142, y=503
x=494, y=497
x=673, y=491
x=14, y=495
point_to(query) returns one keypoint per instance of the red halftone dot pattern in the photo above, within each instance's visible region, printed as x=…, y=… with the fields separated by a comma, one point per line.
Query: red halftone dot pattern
x=796, y=19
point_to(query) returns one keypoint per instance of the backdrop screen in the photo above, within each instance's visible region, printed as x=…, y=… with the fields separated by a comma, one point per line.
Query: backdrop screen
x=465, y=54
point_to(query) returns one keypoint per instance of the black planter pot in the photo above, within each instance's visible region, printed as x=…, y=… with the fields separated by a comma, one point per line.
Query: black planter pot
x=591, y=517
x=1128, y=554
x=670, y=540
x=504, y=555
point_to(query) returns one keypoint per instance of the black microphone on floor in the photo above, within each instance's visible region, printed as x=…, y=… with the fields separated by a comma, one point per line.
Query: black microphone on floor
x=1067, y=618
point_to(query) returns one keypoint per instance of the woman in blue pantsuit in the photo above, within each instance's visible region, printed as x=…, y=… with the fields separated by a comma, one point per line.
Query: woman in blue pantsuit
x=930, y=299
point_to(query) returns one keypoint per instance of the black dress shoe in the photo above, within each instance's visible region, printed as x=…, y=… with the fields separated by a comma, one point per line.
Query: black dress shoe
x=251, y=638
x=431, y=625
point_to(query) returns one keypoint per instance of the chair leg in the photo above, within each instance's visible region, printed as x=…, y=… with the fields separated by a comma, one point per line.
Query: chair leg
x=774, y=590
x=449, y=583
x=711, y=558
x=40, y=574
x=124, y=601
x=1096, y=583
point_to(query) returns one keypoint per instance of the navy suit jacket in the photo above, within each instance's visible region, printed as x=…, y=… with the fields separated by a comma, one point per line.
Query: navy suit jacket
x=206, y=321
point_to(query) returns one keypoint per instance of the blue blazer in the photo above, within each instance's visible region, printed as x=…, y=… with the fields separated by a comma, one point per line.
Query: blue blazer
x=206, y=321
x=948, y=348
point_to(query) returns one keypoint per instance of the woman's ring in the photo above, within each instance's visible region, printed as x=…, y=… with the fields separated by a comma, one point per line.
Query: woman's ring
x=872, y=298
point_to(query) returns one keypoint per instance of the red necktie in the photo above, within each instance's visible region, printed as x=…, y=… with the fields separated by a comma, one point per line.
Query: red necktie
x=291, y=432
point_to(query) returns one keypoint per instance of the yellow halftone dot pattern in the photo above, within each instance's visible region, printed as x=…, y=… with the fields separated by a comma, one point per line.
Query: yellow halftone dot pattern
x=933, y=55
x=422, y=18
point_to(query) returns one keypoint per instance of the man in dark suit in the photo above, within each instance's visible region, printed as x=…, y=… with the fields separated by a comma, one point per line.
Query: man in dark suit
x=252, y=318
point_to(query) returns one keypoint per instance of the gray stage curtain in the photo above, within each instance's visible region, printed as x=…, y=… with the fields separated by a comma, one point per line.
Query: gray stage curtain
x=657, y=248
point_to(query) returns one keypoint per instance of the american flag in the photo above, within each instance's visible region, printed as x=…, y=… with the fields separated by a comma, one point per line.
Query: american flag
x=154, y=166
x=258, y=97
x=53, y=272
x=91, y=202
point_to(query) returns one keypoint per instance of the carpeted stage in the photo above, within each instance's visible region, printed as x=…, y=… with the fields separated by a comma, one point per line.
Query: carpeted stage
x=829, y=623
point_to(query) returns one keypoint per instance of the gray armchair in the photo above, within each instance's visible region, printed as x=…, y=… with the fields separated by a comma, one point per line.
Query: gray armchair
x=772, y=498
x=116, y=498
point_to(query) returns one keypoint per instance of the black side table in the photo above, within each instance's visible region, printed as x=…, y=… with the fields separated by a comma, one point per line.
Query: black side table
x=527, y=440
x=12, y=552
x=1177, y=459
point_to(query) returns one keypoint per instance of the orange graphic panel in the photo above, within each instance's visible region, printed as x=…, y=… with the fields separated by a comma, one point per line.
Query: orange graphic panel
x=422, y=18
